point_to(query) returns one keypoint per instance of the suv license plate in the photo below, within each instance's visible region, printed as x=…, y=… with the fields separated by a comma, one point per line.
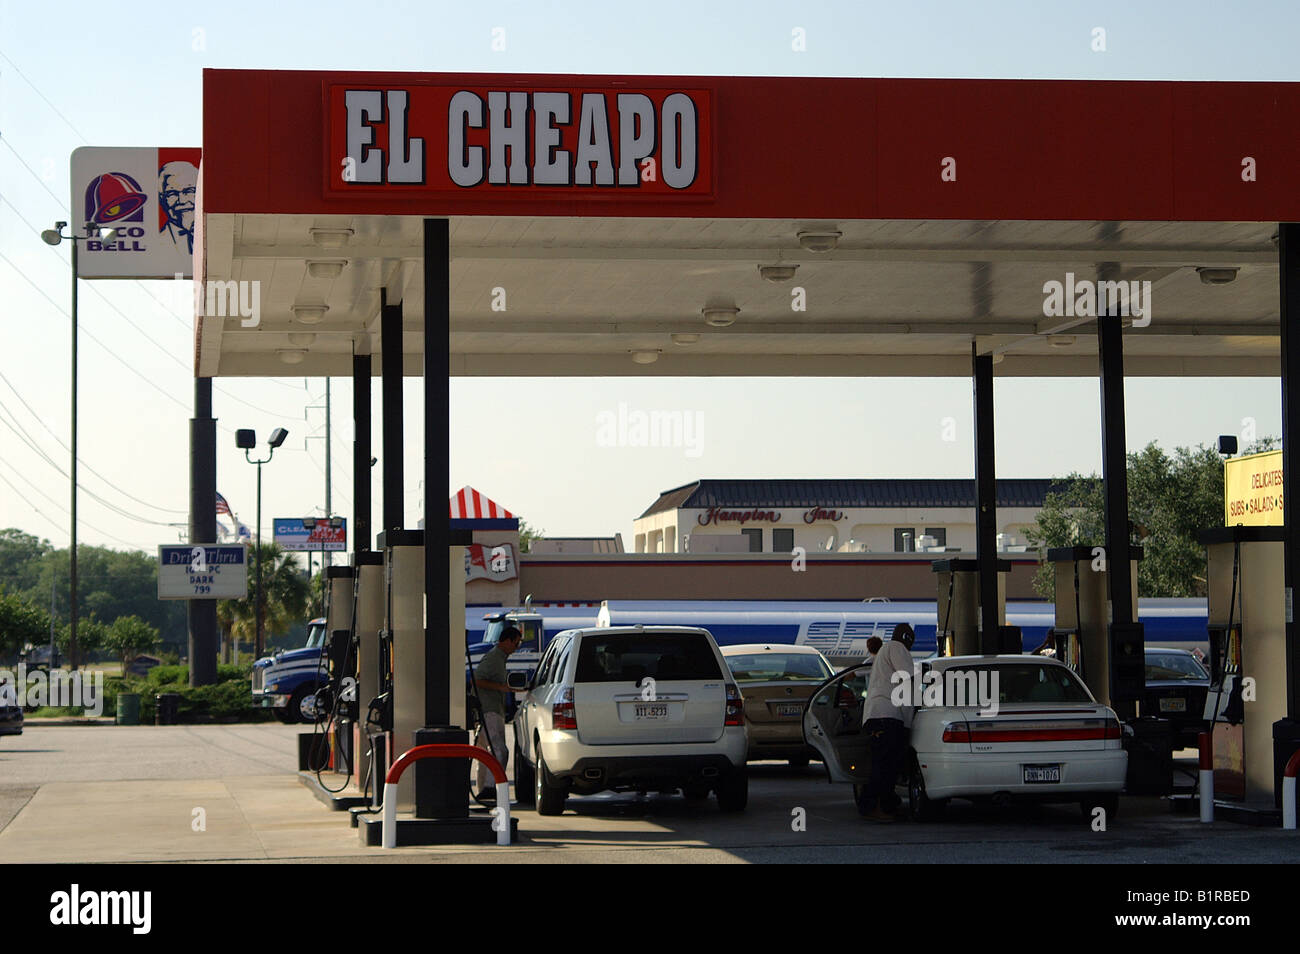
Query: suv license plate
x=1173, y=705
x=658, y=710
x=1037, y=774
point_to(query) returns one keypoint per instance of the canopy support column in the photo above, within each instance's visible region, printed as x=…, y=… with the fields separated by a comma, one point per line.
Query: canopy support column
x=986, y=502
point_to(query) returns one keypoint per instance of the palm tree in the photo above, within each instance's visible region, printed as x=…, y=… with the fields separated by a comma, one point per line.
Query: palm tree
x=284, y=597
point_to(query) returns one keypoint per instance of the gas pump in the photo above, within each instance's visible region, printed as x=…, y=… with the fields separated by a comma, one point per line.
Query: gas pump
x=959, y=619
x=1247, y=635
x=370, y=741
x=1083, y=613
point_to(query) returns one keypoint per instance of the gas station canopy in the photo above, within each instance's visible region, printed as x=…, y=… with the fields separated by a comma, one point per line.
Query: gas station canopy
x=922, y=216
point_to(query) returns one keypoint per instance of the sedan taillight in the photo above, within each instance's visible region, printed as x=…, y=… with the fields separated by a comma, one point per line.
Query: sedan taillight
x=735, y=707
x=956, y=732
x=563, y=713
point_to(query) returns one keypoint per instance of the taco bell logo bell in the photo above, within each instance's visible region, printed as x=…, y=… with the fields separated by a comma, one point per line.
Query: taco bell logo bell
x=111, y=198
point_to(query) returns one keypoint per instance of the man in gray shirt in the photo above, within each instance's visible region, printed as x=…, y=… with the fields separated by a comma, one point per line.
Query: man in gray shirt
x=490, y=678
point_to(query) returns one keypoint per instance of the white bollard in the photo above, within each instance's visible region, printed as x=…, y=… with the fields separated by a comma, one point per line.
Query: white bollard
x=1288, y=802
x=390, y=817
x=503, y=802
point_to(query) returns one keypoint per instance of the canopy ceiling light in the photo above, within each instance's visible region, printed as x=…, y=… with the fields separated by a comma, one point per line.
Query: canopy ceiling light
x=645, y=357
x=291, y=355
x=326, y=267
x=683, y=338
x=301, y=339
x=819, y=241
x=1217, y=276
x=331, y=238
x=777, y=273
x=720, y=317
x=310, y=314
x=1061, y=341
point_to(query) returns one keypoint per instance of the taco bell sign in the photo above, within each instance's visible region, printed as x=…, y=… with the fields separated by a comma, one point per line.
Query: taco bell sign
x=149, y=195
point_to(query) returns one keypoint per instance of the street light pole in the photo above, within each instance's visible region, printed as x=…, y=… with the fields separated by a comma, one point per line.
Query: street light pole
x=246, y=439
x=55, y=236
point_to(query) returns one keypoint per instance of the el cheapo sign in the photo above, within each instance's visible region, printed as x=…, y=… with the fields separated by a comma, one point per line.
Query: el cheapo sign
x=1252, y=490
x=202, y=571
x=578, y=141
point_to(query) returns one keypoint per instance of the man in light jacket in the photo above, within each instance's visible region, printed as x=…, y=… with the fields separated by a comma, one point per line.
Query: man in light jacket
x=886, y=723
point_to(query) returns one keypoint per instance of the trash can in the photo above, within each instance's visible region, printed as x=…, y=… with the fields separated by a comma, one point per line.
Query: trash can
x=128, y=708
x=168, y=708
x=1150, y=757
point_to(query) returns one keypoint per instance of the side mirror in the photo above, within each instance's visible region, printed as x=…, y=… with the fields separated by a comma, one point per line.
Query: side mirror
x=517, y=680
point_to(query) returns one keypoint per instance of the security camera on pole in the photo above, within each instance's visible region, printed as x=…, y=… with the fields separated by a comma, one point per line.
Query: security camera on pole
x=246, y=440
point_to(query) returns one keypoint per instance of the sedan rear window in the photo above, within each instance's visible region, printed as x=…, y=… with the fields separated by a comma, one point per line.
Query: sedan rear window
x=778, y=667
x=630, y=657
x=1019, y=683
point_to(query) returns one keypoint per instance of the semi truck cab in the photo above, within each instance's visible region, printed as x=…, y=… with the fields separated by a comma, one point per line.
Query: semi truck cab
x=286, y=681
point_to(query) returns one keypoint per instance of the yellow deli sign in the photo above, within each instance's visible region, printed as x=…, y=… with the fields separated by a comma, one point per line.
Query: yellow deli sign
x=1252, y=490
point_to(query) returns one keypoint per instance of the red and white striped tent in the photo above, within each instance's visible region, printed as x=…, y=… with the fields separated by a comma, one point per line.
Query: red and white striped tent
x=467, y=509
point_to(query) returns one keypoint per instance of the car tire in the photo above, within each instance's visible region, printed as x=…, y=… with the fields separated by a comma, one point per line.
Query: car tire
x=695, y=793
x=733, y=791
x=920, y=807
x=1108, y=802
x=296, y=701
x=548, y=795
x=525, y=779
x=799, y=763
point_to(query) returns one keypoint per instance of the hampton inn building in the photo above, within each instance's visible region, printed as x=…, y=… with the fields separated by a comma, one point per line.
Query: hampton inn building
x=868, y=516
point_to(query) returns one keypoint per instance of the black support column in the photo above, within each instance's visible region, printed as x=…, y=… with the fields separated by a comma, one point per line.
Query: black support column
x=986, y=502
x=437, y=438
x=1289, y=280
x=390, y=333
x=1127, y=659
x=203, y=529
x=361, y=534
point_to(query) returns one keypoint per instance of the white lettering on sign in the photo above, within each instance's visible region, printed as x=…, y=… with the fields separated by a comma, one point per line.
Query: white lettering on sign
x=365, y=111
x=602, y=157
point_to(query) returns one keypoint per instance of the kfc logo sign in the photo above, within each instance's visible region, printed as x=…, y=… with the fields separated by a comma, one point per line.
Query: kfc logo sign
x=437, y=138
x=496, y=563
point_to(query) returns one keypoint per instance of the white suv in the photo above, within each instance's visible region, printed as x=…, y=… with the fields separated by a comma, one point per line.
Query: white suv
x=645, y=708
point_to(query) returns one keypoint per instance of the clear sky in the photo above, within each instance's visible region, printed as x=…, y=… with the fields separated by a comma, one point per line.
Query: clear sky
x=129, y=74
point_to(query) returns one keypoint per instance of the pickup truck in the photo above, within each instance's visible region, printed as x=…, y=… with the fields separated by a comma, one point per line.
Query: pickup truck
x=286, y=682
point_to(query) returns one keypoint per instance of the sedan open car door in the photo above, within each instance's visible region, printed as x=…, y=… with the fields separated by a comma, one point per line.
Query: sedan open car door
x=832, y=724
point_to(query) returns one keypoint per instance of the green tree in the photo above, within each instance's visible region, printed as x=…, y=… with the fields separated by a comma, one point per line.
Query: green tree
x=128, y=637
x=527, y=534
x=1172, y=498
x=21, y=623
x=285, y=594
x=20, y=562
x=91, y=634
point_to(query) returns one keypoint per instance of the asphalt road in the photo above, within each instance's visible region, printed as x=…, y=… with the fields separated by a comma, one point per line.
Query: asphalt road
x=87, y=785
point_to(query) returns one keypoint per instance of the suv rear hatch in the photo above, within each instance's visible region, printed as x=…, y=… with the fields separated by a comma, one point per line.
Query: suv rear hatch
x=614, y=705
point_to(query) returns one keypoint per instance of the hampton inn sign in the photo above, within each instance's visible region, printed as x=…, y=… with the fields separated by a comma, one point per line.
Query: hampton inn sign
x=454, y=138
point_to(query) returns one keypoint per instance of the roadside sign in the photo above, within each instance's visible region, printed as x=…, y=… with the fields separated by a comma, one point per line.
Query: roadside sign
x=290, y=534
x=1252, y=490
x=202, y=571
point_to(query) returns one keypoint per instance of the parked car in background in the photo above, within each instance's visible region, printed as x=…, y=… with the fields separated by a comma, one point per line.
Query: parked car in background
x=1176, y=686
x=639, y=708
x=775, y=681
x=1049, y=740
x=11, y=711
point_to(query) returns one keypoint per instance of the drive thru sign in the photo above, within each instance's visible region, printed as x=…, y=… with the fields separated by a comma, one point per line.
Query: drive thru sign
x=202, y=571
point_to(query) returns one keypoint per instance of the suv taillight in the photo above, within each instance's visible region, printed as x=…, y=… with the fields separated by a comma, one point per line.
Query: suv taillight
x=563, y=714
x=735, y=707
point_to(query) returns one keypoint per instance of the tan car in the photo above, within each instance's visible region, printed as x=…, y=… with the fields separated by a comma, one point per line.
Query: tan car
x=776, y=680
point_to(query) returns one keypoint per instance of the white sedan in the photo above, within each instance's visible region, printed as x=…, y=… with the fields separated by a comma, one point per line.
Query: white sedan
x=995, y=727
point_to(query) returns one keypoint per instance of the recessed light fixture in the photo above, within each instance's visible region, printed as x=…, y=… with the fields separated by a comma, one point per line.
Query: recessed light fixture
x=777, y=273
x=331, y=238
x=1217, y=276
x=819, y=241
x=720, y=317
x=310, y=314
x=997, y=357
x=1061, y=341
x=291, y=355
x=645, y=357
x=683, y=338
x=301, y=339
x=326, y=267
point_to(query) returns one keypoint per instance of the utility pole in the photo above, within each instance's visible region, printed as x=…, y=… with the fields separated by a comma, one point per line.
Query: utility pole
x=329, y=504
